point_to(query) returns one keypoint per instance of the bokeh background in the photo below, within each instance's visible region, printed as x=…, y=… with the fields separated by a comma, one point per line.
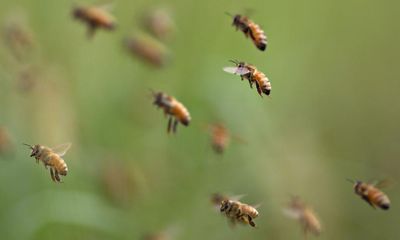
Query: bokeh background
x=333, y=114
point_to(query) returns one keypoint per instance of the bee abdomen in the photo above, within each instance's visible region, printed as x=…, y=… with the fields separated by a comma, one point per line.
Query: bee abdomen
x=383, y=201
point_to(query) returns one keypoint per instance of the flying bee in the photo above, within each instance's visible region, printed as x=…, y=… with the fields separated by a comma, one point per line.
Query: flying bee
x=372, y=194
x=95, y=17
x=159, y=23
x=250, y=72
x=51, y=158
x=148, y=49
x=305, y=215
x=239, y=212
x=173, y=108
x=220, y=137
x=6, y=145
x=250, y=29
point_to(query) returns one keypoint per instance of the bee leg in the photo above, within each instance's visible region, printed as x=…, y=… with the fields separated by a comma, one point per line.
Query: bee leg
x=175, y=125
x=91, y=30
x=251, y=83
x=169, y=124
x=52, y=175
x=258, y=89
x=251, y=221
x=57, y=176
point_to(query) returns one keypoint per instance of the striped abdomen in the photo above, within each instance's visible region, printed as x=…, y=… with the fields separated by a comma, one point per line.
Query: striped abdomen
x=180, y=112
x=263, y=83
x=378, y=198
x=57, y=163
x=257, y=35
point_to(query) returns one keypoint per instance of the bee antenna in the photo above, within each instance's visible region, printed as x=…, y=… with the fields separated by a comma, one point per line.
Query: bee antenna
x=350, y=180
x=234, y=61
x=30, y=146
x=227, y=13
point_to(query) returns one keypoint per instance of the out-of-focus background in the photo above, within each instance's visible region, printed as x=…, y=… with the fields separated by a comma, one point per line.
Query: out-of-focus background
x=333, y=114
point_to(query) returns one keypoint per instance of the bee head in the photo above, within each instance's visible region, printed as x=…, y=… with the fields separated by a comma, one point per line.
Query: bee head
x=35, y=149
x=224, y=205
x=236, y=20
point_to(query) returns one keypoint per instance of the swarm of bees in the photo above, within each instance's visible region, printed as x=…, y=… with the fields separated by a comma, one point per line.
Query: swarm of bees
x=95, y=17
x=238, y=212
x=308, y=220
x=176, y=111
x=371, y=194
x=251, y=74
x=51, y=158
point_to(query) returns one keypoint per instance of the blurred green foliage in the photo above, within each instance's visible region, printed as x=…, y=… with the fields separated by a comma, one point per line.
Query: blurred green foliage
x=334, y=114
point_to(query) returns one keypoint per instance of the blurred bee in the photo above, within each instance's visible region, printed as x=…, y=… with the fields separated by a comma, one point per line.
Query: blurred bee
x=167, y=234
x=18, y=37
x=250, y=72
x=305, y=215
x=159, y=23
x=219, y=137
x=239, y=212
x=52, y=158
x=148, y=49
x=173, y=108
x=371, y=193
x=6, y=145
x=250, y=29
x=95, y=17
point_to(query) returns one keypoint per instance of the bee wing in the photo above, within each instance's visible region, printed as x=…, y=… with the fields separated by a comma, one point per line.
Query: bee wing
x=62, y=149
x=382, y=183
x=237, y=197
x=291, y=213
x=236, y=70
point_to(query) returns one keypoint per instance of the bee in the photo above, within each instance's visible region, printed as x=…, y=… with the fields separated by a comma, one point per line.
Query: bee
x=239, y=212
x=6, y=145
x=371, y=193
x=51, y=158
x=148, y=49
x=95, y=17
x=250, y=29
x=220, y=137
x=173, y=108
x=305, y=215
x=250, y=72
x=159, y=23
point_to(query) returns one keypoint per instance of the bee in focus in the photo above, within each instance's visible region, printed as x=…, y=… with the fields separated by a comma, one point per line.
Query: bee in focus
x=95, y=17
x=309, y=221
x=148, y=49
x=250, y=72
x=176, y=111
x=159, y=23
x=239, y=212
x=372, y=194
x=250, y=29
x=220, y=137
x=51, y=158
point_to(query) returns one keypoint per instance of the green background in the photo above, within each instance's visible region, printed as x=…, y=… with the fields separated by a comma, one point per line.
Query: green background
x=333, y=114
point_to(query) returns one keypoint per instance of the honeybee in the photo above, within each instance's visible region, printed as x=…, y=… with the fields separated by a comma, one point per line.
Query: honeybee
x=173, y=108
x=159, y=23
x=305, y=215
x=220, y=137
x=250, y=72
x=148, y=49
x=371, y=193
x=250, y=29
x=6, y=145
x=95, y=17
x=52, y=158
x=239, y=212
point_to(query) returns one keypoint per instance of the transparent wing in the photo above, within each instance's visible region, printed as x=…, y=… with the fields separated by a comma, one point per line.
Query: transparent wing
x=291, y=213
x=236, y=70
x=62, y=149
